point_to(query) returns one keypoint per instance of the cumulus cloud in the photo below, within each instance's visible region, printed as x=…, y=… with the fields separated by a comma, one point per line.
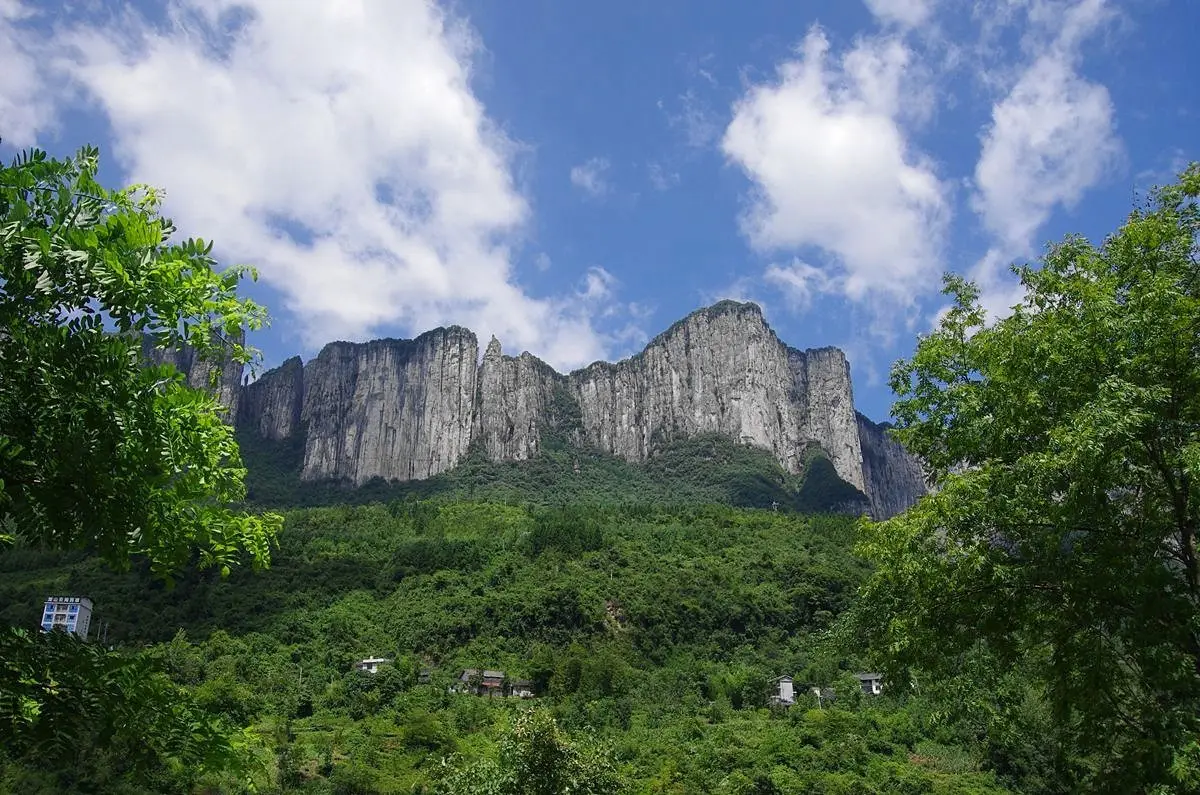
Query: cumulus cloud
x=590, y=177
x=832, y=169
x=338, y=147
x=598, y=284
x=904, y=13
x=25, y=107
x=598, y=290
x=1051, y=138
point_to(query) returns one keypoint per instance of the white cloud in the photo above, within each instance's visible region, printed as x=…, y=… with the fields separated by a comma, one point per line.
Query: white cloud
x=799, y=281
x=1051, y=138
x=598, y=285
x=661, y=178
x=589, y=177
x=25, y=107
x=832, y=170
x=597, y=291
x=904, y=13
x=339, y=148
x=542, y=261
x=697, y=122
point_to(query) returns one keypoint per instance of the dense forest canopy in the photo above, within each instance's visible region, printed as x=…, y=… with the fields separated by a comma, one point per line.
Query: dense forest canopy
x=652, y=636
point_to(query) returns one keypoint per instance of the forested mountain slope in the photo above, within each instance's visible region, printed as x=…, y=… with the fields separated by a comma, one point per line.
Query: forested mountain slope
x=651, y=633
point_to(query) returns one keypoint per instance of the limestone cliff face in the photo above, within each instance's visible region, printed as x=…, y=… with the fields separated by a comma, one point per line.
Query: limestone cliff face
x=722, y=370
x=271, y=406
x=514, y=403
x=409, y=409
x=826, y=399
x=199, y=373
x=895, y=479
x=393, y=409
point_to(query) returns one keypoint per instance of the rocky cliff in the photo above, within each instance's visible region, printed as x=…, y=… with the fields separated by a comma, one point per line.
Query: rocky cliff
x=202, y=373
x=722, y=370
x=894, y=479
x=271, y=406
x=513, y=404
x=409, y=409
x=391, y=409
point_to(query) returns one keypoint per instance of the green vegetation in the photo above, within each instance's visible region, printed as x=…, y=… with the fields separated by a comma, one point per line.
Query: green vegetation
x=1061, y=546
x=652, y=635
x=1037, y=616
x=99, y=452
x=706, y=469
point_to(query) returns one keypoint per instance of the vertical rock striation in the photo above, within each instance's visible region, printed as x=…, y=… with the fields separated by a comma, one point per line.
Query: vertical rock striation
x=514, y=403
x=895, y=479
x=392, y=409
x=722, y=370
x=271, y=406
x=825, y=398
x=409, y=409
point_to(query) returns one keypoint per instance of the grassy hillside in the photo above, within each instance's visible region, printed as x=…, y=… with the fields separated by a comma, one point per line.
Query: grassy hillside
x=652, y=633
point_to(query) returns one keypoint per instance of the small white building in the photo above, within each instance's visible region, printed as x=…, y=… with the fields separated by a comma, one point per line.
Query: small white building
x=522, y=688
x=371, y=664
x=70, y=613
x=872, y=684
x=785, y=694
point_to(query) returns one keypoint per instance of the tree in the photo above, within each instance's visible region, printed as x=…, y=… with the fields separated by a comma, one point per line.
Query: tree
x=98, y=450
x=77, y=711
x=101, y=451
x=1060, y=540
x=536, y=758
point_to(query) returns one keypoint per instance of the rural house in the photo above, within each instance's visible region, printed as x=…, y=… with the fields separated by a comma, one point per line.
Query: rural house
x=492, y=683
x=371, y=664
x=872, y=684
x=785, y=695
x=481, y=683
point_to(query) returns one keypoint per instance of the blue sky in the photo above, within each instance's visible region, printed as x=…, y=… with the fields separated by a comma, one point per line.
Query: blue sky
x=573, y=177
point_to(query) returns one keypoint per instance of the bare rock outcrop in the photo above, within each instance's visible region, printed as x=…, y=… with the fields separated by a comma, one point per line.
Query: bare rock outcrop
x=271, y=406
x=895, y=479
x=722, y=370
x=409, y=409
x=392, y=409
x=514, y=403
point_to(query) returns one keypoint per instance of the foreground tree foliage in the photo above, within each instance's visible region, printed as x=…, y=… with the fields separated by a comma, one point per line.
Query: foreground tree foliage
x=102, y=718
x=99, y=451
x=1064, y=443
